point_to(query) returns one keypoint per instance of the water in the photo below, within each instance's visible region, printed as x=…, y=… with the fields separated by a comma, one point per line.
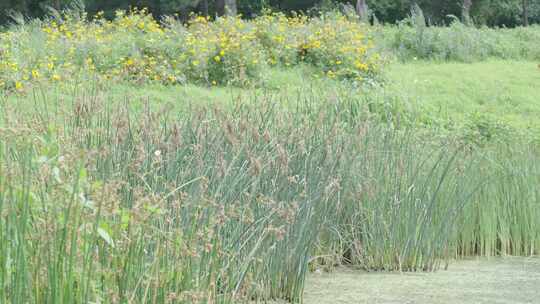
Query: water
x=508, y=280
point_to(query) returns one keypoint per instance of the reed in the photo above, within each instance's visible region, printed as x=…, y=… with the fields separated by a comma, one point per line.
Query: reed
x=103, y=203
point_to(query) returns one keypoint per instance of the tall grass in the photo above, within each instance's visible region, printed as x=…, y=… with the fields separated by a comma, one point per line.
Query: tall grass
x=102, y=203
x=502, y=218
x=459, y=42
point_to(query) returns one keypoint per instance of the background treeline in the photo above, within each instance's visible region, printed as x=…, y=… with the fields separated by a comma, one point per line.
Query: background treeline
x=484, y=12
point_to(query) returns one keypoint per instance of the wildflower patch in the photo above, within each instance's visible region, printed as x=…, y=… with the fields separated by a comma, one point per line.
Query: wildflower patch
x=137, y=48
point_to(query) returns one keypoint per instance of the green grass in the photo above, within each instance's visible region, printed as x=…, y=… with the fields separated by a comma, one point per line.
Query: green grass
x=134, y=191
x=150, y=193
x=458, y=42
x=284, y=85
x=507, y=90
x=437, y=95
x=120, y=199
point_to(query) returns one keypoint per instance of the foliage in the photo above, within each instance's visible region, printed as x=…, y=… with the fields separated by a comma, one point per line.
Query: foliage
x=108, y=202
x=459, y=42
x=135, y=47
x=333, y=43
x=489, y=12
x=120, y=205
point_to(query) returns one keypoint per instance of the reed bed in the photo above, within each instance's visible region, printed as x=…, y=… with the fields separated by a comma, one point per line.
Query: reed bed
x=101, y=203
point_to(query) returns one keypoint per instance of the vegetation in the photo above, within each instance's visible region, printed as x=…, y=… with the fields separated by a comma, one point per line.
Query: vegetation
x=119, y=185
x=494, y=99
x=458, y=42
x=136, y=48
x=215, y=206
x=484, y=12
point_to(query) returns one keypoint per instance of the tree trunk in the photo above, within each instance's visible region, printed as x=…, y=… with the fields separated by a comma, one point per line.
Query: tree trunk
x=226, y=7
x=205, y=8
x=362, y=10
x=466, y=12
x=525, y=4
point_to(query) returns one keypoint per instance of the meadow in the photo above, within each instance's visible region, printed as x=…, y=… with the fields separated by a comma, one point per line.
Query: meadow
x=146, y=161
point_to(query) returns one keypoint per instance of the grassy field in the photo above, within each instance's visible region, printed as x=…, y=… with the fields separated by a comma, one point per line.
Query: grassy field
x=436, y=95
x=506, y=91
x=217, y=166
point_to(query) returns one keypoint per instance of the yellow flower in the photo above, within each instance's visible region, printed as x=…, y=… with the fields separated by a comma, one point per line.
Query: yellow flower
x=217, y=59
x=222, y=53
x=331, y=74
x=338, y=62
x=195, y=62
x=35, y=74
x=361, y=66
x=56, y=77
x=18, y=85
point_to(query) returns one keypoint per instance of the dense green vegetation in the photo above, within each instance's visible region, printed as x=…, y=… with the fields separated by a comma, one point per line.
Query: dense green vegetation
x=222, y=161
x=483, y=12
x=237, y=204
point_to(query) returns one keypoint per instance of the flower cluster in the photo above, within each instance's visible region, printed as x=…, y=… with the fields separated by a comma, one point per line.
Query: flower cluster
x=338, y=46
x=135, y=47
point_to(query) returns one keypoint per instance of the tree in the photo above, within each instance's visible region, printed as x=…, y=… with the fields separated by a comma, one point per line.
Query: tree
x=525, y=6
x=489, y=12
x=362, y=10
x=466, y=11
x=205, y=9
x=226, y=7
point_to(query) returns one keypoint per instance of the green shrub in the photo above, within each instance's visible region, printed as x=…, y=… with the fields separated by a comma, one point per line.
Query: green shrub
x=459, y=42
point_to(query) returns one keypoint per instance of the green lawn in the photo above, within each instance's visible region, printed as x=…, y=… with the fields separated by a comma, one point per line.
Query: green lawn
x=505, y=90
x=455, y=94
x=438, y=95
x=281, y=85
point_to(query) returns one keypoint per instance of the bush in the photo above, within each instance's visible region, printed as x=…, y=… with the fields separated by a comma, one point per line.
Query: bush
x=341, y=48
x=135, y=47
x=459, y=42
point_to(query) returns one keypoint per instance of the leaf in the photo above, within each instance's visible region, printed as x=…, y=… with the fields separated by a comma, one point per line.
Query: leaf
x=83, y=174
x=105, y=236
x=125, y=218
x=86, y=202
x=56, y=174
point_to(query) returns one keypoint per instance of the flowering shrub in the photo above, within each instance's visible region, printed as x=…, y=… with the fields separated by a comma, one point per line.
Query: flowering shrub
x=135, y=47
x=338, y=46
